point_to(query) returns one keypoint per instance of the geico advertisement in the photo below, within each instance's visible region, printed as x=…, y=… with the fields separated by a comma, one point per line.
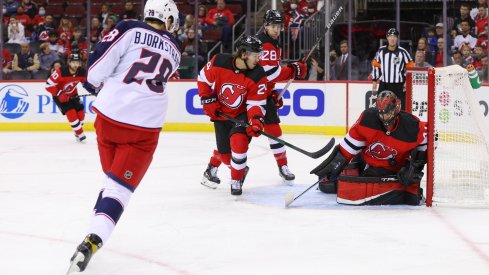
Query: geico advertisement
x=453, y=107
x=311, y=104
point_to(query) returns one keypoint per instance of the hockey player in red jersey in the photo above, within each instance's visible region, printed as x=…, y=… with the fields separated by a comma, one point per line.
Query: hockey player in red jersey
x=390, y=146
x=62, y=85
x=129, y=68
x=240, y=92
x=270, y=59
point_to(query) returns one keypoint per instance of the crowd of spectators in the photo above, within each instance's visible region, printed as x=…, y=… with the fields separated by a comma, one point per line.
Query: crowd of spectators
x=43, y=38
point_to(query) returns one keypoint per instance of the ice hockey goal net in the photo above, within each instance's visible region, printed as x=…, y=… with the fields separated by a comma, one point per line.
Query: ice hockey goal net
x=457, y=172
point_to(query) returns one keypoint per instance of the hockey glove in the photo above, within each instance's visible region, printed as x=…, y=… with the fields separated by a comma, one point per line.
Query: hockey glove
x=412, y=172
x=255, y=127
x=63, y=98
x=278, y=101
x=90, y=88
x=332, y=166
x=211, y=106
x=300, y=69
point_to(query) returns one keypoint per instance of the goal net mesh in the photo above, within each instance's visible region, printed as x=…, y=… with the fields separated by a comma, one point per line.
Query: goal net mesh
x=460, y=159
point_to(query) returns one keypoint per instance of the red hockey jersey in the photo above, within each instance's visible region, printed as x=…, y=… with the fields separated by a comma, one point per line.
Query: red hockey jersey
x=236, y=90
x=62, y=81
x=270, y=59
x=380, y=148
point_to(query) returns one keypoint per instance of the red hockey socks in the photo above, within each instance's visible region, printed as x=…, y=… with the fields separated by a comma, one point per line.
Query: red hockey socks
x=239, y=147
x=278, y=149
x=74, y=121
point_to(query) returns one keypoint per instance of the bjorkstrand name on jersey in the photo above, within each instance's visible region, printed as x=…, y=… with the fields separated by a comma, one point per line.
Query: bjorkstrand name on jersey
x=157, y=42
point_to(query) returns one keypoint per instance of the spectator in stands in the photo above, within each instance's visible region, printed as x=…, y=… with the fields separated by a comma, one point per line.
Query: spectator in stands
x=23, y=18
x=342, y=67
x=432, y=40
x=464, y=16
x=465, y=37
x=439, y=54
x=223, y=18
x=423, y=46
x=478, y=54
x=65, y=29
x=439, y=29
x=78, y=43
x=188, y=48
x=39, y=18
x=483, y=73
x=47, y=57
x=420, y=60
x=111, y=21
x=16, y=32
x=293, y=18
x=188, y=24
x=30, y=8
x=333, y=56
x=41, y=32
x=104, y=14
x=56, y=65
x=202, y=13
x=95, y=30
x=6, y=62
x=475, y=10
x=481, y=21
x=457, y=59
x=129, y=12
x=56, y=44
x=466, y=54
x=25, y=60
x=11, y=7
x=315, y=67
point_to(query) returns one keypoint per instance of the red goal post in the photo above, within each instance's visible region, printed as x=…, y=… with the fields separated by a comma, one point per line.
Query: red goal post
x=457, y=170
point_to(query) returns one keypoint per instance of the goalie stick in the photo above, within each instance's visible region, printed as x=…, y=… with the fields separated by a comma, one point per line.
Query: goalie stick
x=304, y=60
x=313, y=155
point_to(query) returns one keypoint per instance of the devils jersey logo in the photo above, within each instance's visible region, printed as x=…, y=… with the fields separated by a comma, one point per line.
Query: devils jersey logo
x=232, y=95
x=378, y=150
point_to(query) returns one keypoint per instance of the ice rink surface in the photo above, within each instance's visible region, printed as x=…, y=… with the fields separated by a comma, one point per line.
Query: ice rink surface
x=174, y=225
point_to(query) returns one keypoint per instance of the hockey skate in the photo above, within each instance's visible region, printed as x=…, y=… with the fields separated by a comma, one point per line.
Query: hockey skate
x=286, y=175
x=81, y=138
x=84, y=253
x=210, y=178
x=237, y=185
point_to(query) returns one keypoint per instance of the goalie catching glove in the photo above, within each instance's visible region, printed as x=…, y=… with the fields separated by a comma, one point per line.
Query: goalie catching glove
x=299, y=68
x=211, y=106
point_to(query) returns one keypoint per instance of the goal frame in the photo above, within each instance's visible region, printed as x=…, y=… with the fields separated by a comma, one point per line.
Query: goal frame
x=431, y=126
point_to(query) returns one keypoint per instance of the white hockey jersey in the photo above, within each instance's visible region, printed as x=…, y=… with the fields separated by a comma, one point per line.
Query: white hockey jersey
x=133, y=63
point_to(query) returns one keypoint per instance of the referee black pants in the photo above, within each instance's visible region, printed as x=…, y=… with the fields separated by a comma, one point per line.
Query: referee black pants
x=397, y=88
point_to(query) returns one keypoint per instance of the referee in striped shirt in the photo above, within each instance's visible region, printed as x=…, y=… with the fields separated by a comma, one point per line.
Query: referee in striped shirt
x=389, y=65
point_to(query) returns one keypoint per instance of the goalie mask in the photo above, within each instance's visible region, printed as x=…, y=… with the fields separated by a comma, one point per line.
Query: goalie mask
x=388, y=106
x=162, y=10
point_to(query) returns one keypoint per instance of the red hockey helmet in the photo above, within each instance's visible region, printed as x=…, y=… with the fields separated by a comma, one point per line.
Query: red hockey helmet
x=388, y=106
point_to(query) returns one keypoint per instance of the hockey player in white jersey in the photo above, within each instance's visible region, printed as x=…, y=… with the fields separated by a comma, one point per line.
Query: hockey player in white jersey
x=129, y=67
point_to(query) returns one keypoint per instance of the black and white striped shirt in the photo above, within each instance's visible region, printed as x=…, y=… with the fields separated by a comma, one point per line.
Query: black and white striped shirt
x=390, y=66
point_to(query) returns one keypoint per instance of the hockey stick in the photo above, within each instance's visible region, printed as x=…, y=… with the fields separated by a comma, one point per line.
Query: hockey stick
x=304, y=60
x=85, y=95
x=313, y=155
x=289, y=197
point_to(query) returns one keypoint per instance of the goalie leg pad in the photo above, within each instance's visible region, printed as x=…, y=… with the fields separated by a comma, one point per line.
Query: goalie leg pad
x=354, y=190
